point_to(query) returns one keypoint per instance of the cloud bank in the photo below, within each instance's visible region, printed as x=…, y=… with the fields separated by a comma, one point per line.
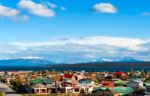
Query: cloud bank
x=79, y=49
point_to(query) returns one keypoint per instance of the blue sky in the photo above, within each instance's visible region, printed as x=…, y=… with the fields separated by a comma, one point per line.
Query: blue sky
x=47, y=20
x=78, y=21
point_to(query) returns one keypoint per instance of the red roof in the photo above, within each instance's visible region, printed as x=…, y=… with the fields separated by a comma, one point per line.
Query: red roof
x=107, y=84
x=119, y=73
x=68, y=76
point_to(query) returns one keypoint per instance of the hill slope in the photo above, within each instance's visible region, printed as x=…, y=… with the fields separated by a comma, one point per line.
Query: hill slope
x=24, y=62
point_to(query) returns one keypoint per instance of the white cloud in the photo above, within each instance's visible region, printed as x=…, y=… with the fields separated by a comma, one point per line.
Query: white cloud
x=14, y=14
x=8, y=12
x=86, y=48
x=146, y=14
x=105, y=8
x=36, y=8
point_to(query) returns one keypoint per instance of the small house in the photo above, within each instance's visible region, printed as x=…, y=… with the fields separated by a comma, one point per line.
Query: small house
x=42, y=85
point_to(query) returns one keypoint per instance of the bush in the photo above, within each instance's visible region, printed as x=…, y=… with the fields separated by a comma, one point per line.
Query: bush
x=18, y=86
x=1, y=94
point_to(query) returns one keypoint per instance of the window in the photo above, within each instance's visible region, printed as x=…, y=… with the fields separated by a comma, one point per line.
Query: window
x=76, y=90
x=148, y=89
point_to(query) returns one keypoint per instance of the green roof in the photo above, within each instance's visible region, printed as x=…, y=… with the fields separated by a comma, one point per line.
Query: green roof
x=122, y=90
x=120, y=82
x=147, y=83
x=100, y=88
x=41, y=80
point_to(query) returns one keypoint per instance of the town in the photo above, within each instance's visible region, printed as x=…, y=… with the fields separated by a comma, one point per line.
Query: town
x=76, y=83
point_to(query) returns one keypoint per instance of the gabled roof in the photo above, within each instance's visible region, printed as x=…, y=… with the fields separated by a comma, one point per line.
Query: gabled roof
x=101, y=88
x=122, y=90
x=68, y=76
x=85, y=80
x=42, y=80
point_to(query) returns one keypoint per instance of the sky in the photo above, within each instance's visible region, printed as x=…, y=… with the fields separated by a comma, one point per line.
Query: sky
x=75, y=30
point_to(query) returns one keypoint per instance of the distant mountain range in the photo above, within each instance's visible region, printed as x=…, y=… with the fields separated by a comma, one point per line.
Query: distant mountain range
x=124, y=59
x=33, y=62
x=129, y=59
x=24, y=62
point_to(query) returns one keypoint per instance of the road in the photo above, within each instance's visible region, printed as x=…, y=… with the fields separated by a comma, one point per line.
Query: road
x=12, y=95
x=4, y=88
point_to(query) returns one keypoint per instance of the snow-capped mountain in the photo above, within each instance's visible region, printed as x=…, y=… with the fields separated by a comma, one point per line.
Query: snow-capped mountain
x=106, y=60
x=123, y=59
x=36, y=61
x=128, y=59
x=26, y=62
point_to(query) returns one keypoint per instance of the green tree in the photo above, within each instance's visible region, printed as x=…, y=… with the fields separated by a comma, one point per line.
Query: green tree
x=132, y=73
x=18, y=86
x=143, y=73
